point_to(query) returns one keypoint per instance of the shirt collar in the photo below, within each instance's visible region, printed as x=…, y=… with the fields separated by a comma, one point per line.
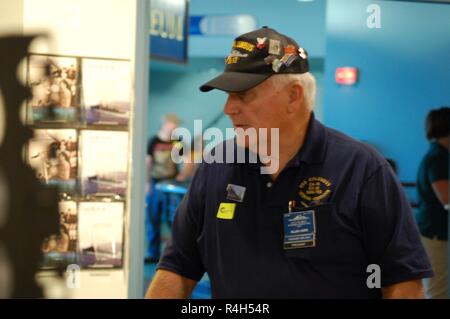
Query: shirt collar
x=314, y=147
x=313, y=150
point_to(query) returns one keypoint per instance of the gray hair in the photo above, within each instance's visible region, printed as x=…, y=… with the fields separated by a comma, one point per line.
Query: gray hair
x=306, y=80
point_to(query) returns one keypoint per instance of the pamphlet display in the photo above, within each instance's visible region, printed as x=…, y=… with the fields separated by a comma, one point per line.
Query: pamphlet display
x=79, y=114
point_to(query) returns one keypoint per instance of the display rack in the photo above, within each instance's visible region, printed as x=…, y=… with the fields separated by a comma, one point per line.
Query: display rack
x=73, y=29
x=80, y=112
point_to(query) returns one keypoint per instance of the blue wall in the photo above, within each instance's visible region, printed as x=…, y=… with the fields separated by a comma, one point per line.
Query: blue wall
x=174, y=88
x=303, y=21
x=404, y=72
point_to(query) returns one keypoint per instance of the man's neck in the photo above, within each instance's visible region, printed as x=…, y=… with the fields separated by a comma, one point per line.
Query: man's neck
x=291, y=141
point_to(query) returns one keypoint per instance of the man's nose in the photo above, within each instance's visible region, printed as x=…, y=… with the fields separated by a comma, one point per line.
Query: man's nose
x=231, y=106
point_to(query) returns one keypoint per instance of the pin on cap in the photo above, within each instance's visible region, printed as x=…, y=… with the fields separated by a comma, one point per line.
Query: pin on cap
x=256, y=56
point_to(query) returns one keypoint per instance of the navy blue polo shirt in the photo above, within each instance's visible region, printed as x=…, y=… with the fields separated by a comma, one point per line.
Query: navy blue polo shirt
x=362, y=218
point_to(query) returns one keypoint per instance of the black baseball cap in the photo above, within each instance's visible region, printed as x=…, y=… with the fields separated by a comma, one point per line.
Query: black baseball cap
x=256, y=56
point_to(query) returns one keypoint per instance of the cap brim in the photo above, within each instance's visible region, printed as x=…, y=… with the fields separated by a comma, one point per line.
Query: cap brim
x=234, y=82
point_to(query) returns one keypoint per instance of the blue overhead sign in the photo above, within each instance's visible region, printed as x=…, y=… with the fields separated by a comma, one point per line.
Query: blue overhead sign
x=169, y=30
x=221, y=25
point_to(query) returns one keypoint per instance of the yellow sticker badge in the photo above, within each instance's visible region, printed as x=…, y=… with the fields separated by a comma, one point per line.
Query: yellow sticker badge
x=226, y=210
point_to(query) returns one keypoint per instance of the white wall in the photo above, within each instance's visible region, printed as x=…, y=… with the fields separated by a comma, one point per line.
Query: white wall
x=106, y=29
x=11, y=16
x=100, y=28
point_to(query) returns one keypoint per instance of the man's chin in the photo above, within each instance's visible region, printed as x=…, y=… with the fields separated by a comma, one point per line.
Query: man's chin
x=250, y=146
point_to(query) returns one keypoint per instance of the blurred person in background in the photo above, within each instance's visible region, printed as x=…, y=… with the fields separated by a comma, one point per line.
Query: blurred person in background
x=432, y=187
x=160, y=167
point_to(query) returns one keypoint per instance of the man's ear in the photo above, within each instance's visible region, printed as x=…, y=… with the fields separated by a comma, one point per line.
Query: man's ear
x=295, y=95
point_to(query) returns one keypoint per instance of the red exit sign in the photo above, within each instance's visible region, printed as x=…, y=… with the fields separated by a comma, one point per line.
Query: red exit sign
x=346, y=75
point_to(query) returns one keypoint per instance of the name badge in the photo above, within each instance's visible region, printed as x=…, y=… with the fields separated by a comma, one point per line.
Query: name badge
x=299, y=229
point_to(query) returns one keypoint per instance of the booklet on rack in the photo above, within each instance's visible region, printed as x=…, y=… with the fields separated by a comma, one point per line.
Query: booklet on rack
x=54, y=84
x=104, y=162
x=53, y=154
x=101, y=234
x=106, y=91
x=60, y=249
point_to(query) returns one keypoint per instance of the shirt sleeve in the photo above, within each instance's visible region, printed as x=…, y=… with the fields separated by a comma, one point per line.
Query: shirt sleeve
x=438, y=168
x=181, y=254
x=390, y=234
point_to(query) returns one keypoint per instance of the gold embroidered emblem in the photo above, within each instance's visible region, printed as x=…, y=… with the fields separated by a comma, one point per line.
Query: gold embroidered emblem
x=314, y=189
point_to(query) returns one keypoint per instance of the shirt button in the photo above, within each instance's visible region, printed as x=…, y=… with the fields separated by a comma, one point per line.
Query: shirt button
x=269, y=185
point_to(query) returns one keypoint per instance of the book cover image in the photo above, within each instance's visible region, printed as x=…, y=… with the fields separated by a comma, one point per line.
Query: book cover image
x=60, y=249
x=54, y=84
x=101, y=234
x=106, y=89
x=53, y=155
x=104, y=162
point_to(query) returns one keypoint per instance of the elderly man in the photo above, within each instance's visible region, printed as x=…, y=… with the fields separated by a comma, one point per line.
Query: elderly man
x=331, y=222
